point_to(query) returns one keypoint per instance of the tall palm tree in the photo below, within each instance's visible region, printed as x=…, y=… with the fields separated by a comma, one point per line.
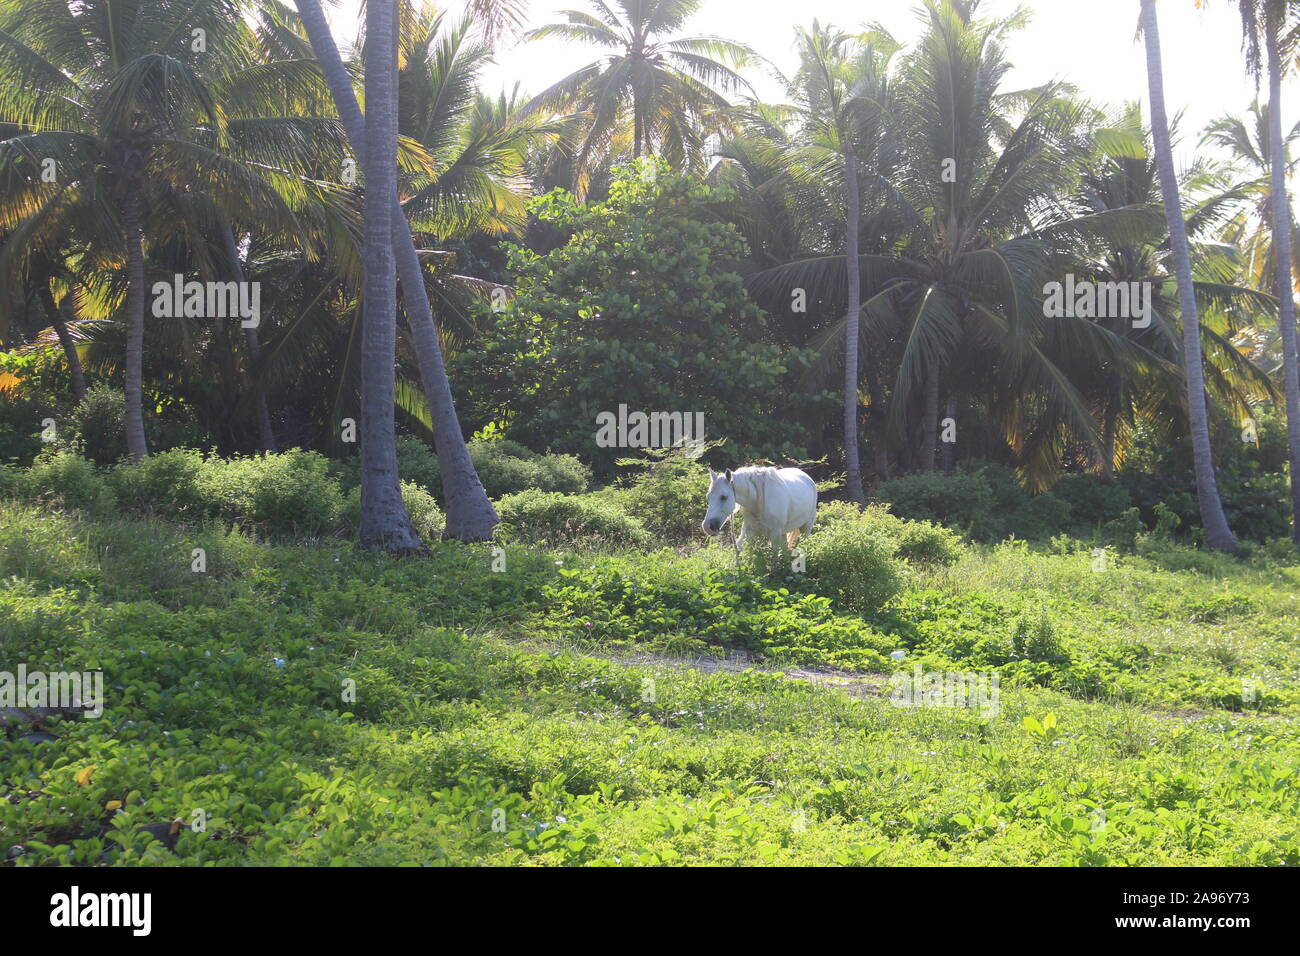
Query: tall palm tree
x=841, y=89
x=671, y=91
x=470, y=515
x=385, y=523
x=1217, y=533
x=1267, y=27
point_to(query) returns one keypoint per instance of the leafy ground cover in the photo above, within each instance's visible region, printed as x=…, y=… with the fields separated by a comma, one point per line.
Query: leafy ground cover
x=304, y=702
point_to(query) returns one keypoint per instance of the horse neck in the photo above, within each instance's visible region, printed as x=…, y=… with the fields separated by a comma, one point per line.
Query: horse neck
x=747, y=496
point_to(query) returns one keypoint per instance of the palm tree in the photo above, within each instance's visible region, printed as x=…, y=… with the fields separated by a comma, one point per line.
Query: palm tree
x=671, y=91
x=840, y=91
x=1217, y=533
x=470, y=515
x=960, y=185
x=385, y=523
x=1266, y=24
x=143, y=129
x=1245, y=140
x=1116, y=233
x=475, y=180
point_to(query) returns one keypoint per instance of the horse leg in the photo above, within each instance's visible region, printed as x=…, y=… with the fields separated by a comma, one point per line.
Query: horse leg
x=791, y=537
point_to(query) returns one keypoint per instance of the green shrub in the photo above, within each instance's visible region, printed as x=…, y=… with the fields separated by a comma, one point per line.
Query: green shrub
x=425, y=513
x=169, y=484
x=961, y=501
x=921, y=543
x=96, y=428
x=289, y=493
x=834, y=512
x=1167, y=521
x=926, y=544
x=1092, y=502
x=669, y=496
x=506, y=468
x=67, y=480
x=1257, y=506
x=20, y=418
x=853, y=565
x=1034, y=639
x=568, y=519
x=1041, y=517
x=1122, y=532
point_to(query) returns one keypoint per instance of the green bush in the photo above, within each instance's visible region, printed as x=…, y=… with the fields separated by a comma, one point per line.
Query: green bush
x=504, y=467
x=96, y=428
x=66, y=480
x=922, y=543
x=669, y=496
x=507, y=468
x=926, y=544
x=1122, y=532
x=852, y=564
x=834, y=512
x=290, y=493
x=168, y=484
x=1092, y=502
x=425, y=513
x=1041, y=517
x=20, y=428
x=534, y=516
x=961, y=501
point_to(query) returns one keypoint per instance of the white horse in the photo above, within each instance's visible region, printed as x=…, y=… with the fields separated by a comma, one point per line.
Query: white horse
x=776, y=503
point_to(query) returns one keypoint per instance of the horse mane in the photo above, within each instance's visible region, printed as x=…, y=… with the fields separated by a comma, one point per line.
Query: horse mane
x=759, y=480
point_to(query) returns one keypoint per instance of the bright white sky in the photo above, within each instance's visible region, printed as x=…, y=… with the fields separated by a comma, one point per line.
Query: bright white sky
x=1090, y=43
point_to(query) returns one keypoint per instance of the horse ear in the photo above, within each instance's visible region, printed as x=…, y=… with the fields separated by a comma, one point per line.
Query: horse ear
x=712, y=475
x=728, y=475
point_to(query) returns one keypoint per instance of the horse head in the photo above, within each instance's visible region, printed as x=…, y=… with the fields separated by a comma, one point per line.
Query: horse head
x=722, y=501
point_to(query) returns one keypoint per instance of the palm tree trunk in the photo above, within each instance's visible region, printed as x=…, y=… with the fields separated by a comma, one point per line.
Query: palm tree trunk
x=53, y=313
x=385, y=523
x=470, y=515
x=930, y=427
x=948, y=454
x=265, y=433
x=853, y=200
x=136, y=442
x=1217, y=533
x=1109, y=435
x=1282, y=252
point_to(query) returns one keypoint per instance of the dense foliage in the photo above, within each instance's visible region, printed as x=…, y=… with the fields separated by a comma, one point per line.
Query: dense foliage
x=639, y=307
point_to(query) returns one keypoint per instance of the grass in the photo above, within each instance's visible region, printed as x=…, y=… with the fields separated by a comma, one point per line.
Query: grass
x=308, y=703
